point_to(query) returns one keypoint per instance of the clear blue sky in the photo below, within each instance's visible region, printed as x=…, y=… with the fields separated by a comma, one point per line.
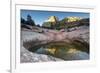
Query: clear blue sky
x=40, y=16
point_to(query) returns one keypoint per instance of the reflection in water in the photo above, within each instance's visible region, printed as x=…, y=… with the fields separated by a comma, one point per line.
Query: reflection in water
x=63, y=50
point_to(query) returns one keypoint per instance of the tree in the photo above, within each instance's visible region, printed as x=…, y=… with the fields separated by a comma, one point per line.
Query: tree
x=38, y=25
x=84, y=21
x=23, y=20
x=30, y=21
x=46, y=25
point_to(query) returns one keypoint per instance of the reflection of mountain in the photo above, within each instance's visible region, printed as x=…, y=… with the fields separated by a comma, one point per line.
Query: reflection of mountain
x=68, y=22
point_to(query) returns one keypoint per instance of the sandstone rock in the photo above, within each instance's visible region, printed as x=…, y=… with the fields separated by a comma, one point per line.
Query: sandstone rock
x=29, y=39
x=30, y=57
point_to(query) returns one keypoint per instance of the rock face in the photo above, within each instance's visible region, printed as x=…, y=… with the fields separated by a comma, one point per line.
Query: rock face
x=30, y=57
x=79, y=36
x=50, y=22
x=53, y=19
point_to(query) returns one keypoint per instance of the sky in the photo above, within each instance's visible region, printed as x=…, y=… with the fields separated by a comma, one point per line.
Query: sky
x=41, y=16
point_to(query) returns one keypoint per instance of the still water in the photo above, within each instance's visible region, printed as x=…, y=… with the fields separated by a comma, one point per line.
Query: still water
x=65, y=51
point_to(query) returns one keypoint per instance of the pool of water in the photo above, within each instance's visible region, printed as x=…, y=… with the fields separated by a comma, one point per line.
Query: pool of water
x=65, y=51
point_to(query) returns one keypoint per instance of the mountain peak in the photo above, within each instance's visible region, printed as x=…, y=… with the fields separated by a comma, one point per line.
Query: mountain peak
x=52, y=19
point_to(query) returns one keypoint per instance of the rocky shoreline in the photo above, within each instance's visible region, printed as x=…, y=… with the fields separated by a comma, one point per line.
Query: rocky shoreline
x=31, y=38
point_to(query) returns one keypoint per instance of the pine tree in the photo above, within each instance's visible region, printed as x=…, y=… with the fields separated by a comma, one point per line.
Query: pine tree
x=23, y=20
x=30, y=21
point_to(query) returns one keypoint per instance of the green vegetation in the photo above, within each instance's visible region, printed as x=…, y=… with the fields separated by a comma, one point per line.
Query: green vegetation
x=53, y=22
x=68, y=22
x=29, y=21
x=47, y=24
x=72, y=19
